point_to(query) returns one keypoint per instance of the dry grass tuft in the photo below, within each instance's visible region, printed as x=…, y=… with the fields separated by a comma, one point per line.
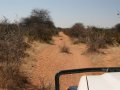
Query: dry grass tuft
x=65, y=49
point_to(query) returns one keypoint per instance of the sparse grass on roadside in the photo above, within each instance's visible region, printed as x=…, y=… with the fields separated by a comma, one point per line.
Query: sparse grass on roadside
x=44, y=85
x=11, y=78
x=65, y=49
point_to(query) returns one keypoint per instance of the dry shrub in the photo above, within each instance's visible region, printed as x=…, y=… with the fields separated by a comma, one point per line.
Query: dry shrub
x=65, y=49
x=12, y=45
x=95, y=38
x=39, y=26
x=101, y=38
x=41, y=34
x=12, y=50
x=11, y=78
x=76, y=31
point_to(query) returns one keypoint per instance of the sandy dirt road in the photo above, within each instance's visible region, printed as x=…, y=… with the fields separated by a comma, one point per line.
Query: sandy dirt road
x=51, y=60
x=46, y=60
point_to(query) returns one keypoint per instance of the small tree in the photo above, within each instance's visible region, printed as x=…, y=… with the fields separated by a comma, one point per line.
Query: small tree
x=41, y=14
x=40, y=25
x=78, y=26
x=39, y=17
x=76, y=30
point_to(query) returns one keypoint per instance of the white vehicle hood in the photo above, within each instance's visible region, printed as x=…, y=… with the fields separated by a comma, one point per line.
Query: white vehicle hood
x=107, y=81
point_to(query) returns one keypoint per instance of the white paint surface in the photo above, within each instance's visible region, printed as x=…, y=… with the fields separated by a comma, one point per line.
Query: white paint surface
x=107, y=81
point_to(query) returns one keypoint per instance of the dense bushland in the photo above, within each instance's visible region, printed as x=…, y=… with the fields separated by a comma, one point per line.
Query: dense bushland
x=94, y=37
x=12, y=50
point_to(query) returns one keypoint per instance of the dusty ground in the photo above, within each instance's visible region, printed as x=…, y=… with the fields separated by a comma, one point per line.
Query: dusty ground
x=47, y=60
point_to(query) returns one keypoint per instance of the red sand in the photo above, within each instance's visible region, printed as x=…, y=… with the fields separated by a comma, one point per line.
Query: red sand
x=50, y=61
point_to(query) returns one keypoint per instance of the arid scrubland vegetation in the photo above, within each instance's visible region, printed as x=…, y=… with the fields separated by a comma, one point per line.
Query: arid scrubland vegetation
x=95, y=38
x=40, y=27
